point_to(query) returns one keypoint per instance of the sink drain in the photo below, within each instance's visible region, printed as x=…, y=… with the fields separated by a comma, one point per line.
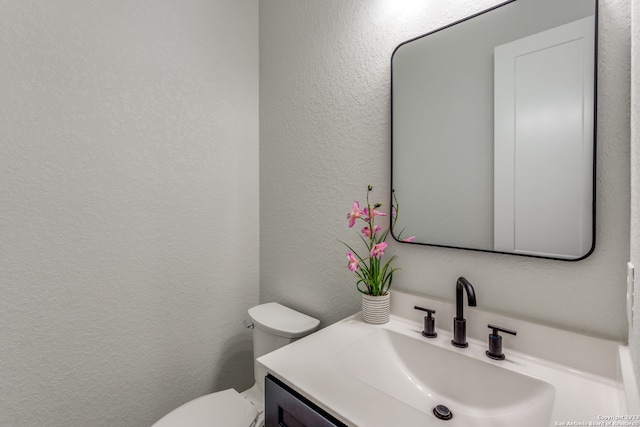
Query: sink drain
x=442, y=412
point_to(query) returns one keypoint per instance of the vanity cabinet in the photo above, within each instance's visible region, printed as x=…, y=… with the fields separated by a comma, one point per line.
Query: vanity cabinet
x=285, y=407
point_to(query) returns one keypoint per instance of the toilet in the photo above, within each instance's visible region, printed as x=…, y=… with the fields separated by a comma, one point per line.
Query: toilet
x=274, y=326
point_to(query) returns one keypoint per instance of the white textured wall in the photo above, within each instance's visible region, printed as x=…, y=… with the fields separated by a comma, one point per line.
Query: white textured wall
x=324, y=135
x=128, y=206
x=634, y=332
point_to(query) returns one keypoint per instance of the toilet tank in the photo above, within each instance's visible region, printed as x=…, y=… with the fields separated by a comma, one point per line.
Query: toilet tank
x=276, y=326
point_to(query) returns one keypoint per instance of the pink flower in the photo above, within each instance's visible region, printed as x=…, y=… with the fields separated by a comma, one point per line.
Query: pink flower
x=378, y=250
x=409, y=239
x=353, y=262
x=354, y=214
x=374, y=213
x=367, y=232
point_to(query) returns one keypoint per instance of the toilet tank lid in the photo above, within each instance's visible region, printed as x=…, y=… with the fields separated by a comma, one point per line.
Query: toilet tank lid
x=282, y=321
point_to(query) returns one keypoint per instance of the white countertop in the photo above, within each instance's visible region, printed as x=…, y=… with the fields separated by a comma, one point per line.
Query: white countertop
x=310, y=367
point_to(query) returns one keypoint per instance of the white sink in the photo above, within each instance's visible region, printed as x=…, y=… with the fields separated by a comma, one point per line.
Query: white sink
x=391, y=376
x=424, y=375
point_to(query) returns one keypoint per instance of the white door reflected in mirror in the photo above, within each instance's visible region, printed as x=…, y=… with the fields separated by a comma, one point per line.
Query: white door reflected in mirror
x=543, y=137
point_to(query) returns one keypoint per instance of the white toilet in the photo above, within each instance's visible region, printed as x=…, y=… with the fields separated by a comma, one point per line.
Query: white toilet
x=274, y=326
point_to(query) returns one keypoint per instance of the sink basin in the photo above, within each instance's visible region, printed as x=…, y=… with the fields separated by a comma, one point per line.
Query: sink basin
x=423, y=375
x=391, y=376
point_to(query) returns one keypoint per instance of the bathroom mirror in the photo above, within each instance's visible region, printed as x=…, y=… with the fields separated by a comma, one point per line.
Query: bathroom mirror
x=493, y=131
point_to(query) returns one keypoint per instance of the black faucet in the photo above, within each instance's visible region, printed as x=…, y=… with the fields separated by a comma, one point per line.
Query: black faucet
x=459, y=323
x=495, y=342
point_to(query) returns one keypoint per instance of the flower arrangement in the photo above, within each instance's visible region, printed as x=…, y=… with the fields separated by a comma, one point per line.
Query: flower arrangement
x=374, y=277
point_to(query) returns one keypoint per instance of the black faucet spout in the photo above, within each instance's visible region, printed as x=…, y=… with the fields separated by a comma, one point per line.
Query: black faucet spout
x=463, y=284
x=459, y=323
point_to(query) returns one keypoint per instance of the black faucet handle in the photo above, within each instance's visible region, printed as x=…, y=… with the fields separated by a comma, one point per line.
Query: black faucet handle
x=497, y=329
x=428, y=310
x=429, y=330
x=495, y=342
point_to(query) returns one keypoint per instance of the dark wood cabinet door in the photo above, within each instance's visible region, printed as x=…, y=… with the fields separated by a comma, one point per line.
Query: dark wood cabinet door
x=285, y=407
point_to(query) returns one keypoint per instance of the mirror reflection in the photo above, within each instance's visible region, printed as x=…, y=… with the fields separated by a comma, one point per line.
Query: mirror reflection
x=493, y=131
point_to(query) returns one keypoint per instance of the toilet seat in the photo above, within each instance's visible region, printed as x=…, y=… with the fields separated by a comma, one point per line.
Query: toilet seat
x=224, y=408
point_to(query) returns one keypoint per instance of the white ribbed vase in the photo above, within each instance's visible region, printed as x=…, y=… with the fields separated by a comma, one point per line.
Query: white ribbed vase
x=376, y=309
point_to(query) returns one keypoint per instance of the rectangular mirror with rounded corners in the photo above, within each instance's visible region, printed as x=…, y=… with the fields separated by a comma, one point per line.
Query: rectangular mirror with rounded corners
x=493, y=131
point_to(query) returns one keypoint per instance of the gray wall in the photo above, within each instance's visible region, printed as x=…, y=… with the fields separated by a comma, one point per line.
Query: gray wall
x=324, y=136
x=128, y=194
x=634, y=332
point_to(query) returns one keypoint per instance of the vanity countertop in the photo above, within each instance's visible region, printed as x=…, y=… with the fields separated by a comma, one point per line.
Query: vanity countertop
x=312, y=366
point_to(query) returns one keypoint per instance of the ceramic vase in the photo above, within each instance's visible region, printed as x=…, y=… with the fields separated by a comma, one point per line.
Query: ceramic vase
x=376, y=309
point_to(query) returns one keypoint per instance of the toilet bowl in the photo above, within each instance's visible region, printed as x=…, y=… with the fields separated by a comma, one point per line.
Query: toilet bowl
x=274, y=326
